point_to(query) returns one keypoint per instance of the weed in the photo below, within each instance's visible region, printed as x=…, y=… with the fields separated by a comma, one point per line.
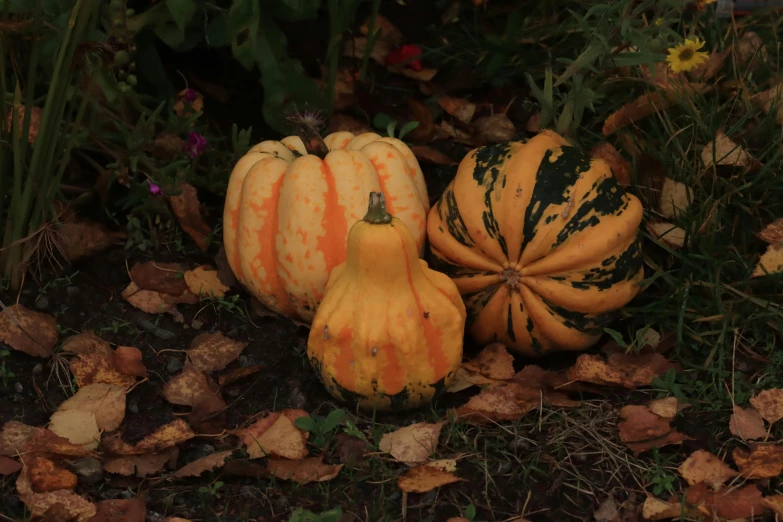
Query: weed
x=5, y=374
x=319, y=426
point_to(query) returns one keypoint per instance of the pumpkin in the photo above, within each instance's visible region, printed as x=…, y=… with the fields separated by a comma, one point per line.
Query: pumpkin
x=541, y=241
x=388, y=334
x=287, y=212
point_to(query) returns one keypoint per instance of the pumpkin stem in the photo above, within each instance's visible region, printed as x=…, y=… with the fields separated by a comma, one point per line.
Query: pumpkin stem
x=376, y=212
x=307, y=126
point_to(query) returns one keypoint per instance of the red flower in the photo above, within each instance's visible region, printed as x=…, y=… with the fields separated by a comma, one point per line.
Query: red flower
x=403, y=54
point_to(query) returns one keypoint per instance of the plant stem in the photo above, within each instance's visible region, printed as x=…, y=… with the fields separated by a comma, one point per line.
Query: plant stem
x=376, y=212
x=313, y=142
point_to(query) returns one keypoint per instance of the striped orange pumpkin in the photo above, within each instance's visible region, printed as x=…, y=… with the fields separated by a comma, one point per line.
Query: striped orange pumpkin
x=287, y=213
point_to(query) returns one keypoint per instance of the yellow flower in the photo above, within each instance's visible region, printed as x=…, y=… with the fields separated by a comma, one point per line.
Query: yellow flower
x=686, y=56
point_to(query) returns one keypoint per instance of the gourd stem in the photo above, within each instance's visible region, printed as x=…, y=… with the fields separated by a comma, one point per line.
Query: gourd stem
x=376, y=212
x=308, y=132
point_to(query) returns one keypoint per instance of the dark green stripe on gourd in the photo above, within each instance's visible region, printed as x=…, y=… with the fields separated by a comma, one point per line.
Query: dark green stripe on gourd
x=586, y=323
x=448, y=209
x=621, y=268
x=510, y=325
x=489, y=162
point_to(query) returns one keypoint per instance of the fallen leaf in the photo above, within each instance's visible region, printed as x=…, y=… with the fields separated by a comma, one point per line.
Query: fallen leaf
x=460, y=108
x=105, y=401
x=747, y=424
x=303, y=471
x=412, y=444
x=431, y=155
x=668, y=407
x=421, y=113
x=771, y=99
x=99, y=368
x=675, y=198
x=656, y=509
x=35, y=121
x=237, y=374
x=429, y=476
x=158, y=276
x=128, y=361
x=641, y=430
x=724, y=151
x=280, y=439
x=356, y=47
x=770, y=262
x=627, y=371
x=142, y=465
x=506, y=402
x=166, y=436
x=186, y=208
x=620, y=166
x=77, y=426
x=730, y=502
x=711, y=67
x=607, y=511
x=668, y=233
x=82, y=238
x=533, y=124
x=199, y=466
x=494, y=129
x=14, y=436
x=703, y=466
x=388, y=32
x=351, y=450
x=46, y=476
x=210, y=352
x=769, y=403
x=46, y=441
x=775, y=504
x=190, y=387
x=772, y=233
x=750, y=48
x=27, y=331
x=762, y=461
x=176, y=519
x=203, y=280
x=9, y=466
x=56, y=506
x=492, y=365
x=153, y=302
x=121, y=510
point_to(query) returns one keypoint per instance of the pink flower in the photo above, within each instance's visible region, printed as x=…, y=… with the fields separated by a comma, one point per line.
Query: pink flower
x=196, y=144
x=190, y=95
x=154, y=189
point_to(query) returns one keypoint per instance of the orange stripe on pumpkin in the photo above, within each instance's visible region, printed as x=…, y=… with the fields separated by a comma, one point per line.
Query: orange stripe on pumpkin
x=332, y=242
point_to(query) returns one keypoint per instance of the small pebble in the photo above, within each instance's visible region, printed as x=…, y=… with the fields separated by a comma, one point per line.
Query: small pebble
x=89, y=470
x=42, y=303
x=160, y=333
x=297, y=399
x=196, y=324
x=174, y=365
x=18, y=387
x=37, y=369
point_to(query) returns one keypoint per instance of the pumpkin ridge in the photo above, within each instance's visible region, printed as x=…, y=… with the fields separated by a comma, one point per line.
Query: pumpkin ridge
x=335, y=224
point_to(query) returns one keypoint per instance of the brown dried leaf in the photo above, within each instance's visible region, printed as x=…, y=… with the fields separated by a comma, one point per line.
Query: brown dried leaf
x=641, y=430
x=772, y=233
x=128, y=361
x=607, y=511
x=203, y=280
x=355, y=48
x=237, y=374
x=775, y=504
x=627, y=371
x=121, y=510
x=57, y=506
x=506, y=402
x=281, y=439
x=460, y=108
x=38, y=333
x=762, y=461
x=492, y=365
x=190, y=387
x=155, y=302
x=167, y=278
x=14, y=436
x=703, y=466
x=46, y=476
x=770, y=262
x=421, y=113
x=35, y=121
x=431, y=155
x=750, y=48
x=98, y=367
x=656, y=509
x=730, y=503
x=86, y=342
x=105, y=401
x=668, y=233
x=46, y=441
x=620, y=166
x=747, y=424
x=166, y=436
x=199, y=466
x=303, y=471
x=187, y=209
x=9, y=466
x=77, y=426
x=82, y=238
x=668, y=407
x=429, y=476
x=772, y=98
x=769, y=404
x=648, y=104
x=210, y=352
x=494, y=129
x=412, y=444
x=724, y=151
x=142, y=465
x=675, y=198
x=422, y=75
x=351, y=450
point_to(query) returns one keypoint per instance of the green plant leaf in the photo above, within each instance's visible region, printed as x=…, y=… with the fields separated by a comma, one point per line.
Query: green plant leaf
x=381, y=121
x=296, y=10
x=408, y=127
x=305, y=423
x=617, y=336
x=182, y=12
x=333, y=420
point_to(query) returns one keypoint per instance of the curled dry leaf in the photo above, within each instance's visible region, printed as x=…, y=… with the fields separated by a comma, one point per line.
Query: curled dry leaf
x=431, y=155
x=121, y=510
x=166, y=436
x=60, y=505
x=447, y=131
x=492, y=365
x=770, y=262
x=769, y=403
x=82, y=238
x=510, y=401
x=703, y=466
x=607, y=511
x=668, y=407
x=675, y=198
x=77, y=426
x=772, y=99
x=208, y=463
x=429, y=476
x=494, y=129
x=46, y=476
x=153, y=302
x=775, y=504
x=142, y=465
x=98, y=367
x=671, y=235
x=626, y=371
x=460, y=108
x=105, y=401
x=773, y=233
x=13, y=437
x=276, y=436
x=128, y=361
x=196, y=389
x=203, y=280
x=9, y=466
x=656, y=509
x=186, y=208
x=747, y=424
x=166, y=278
x=729, y=503
x=237, y=374
x=303, y=471
x=761, y=461
x=412, y=444
x=27, y=331
x=642, y=430
x=210, y=352
x=724, y=151
x=619, y=165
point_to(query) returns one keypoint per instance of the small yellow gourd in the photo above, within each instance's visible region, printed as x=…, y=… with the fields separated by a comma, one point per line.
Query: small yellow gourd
x=388, y=333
